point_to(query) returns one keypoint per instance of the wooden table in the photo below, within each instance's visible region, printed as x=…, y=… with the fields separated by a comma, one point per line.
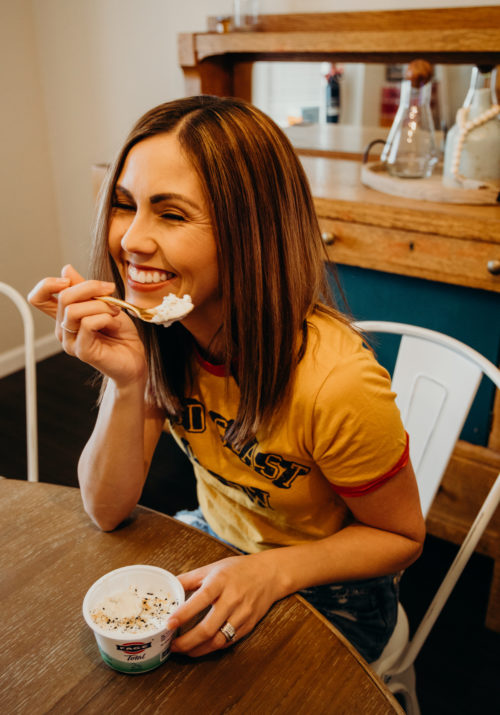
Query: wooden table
x=293, y=662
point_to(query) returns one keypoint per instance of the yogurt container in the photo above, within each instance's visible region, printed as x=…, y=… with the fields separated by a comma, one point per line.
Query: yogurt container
x=127, y=609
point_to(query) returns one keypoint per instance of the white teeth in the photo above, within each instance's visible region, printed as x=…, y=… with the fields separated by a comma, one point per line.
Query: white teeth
x=146, y=276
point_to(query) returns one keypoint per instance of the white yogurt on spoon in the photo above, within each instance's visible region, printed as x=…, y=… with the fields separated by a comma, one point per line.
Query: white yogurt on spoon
x=171, y=309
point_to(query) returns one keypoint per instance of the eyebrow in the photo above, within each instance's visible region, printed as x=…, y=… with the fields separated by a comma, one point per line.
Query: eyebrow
x=158, y=198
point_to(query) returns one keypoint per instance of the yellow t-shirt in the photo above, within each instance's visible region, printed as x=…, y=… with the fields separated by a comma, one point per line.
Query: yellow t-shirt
x=340, y=433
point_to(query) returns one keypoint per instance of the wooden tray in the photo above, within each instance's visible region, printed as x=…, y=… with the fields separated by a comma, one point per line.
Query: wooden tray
x=375, y=175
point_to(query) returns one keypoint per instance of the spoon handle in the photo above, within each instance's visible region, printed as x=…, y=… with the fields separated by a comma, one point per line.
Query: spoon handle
x=120, y=303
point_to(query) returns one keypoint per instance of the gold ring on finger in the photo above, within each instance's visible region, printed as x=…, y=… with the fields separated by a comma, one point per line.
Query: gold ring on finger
x=68, y=330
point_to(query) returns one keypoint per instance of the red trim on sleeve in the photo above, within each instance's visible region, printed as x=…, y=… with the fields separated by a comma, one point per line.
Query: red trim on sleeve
x=361, y=489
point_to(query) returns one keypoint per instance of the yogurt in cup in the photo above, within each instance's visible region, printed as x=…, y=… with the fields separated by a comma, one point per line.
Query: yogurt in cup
x=127, y=609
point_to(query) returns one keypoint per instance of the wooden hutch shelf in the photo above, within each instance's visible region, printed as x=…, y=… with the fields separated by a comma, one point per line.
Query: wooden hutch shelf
x=449, y=243
x=219, y=63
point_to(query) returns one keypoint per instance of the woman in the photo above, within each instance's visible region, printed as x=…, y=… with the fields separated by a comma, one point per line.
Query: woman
x=299, y=452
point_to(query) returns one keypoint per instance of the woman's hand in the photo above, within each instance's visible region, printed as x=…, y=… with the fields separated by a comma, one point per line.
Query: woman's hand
x=239, y=589
x=386, y=538
x=96, y=332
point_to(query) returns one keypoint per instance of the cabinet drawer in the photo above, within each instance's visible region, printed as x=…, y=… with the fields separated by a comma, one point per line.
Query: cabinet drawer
x=450, y=260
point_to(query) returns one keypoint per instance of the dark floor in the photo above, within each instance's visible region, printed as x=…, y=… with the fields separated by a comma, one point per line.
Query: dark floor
x=458, y=670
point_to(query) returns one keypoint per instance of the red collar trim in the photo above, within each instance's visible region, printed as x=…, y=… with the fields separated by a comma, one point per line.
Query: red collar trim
x=217, y=370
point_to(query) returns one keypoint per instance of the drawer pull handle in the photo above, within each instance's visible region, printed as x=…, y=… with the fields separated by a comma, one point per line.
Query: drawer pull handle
x=494, y=268
x=328, y=238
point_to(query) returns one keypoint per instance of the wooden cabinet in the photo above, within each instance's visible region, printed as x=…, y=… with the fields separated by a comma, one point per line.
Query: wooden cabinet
x=454, y=245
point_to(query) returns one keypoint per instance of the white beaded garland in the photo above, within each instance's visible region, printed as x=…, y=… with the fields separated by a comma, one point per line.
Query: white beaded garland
x=464, y=127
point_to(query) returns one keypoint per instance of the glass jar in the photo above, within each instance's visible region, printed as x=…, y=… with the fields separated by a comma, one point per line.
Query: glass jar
x=245, y=15
x=472, y=149
x=410, y=150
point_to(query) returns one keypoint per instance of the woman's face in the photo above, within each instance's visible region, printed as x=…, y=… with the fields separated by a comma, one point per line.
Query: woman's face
x=160, y=234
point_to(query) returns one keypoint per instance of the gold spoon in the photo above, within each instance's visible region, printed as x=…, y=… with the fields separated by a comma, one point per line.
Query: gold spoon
x=142, y=313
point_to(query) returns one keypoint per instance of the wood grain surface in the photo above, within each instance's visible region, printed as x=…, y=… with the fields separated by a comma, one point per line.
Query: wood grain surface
x=382, y=45
x=293, y=662
x=439, y=34
x=384, y=20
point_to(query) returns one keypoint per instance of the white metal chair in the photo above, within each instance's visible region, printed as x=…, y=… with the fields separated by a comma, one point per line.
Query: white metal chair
x=435, y=378
x=30, y=379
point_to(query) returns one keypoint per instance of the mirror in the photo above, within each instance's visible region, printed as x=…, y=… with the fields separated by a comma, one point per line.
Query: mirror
x=296, y=96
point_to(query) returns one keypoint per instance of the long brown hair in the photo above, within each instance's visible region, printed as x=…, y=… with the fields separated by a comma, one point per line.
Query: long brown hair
x=270, y=254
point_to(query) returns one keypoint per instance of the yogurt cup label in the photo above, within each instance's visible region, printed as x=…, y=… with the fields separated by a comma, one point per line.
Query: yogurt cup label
x=127, y=610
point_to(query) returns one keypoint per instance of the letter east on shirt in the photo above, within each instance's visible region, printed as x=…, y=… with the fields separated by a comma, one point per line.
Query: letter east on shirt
x=340, y=434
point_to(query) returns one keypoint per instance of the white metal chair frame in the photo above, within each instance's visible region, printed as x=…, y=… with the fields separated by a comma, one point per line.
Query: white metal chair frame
x=395, y=665
x=30, y=379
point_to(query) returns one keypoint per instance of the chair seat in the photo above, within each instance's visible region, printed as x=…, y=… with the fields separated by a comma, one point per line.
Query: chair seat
x=395, y=645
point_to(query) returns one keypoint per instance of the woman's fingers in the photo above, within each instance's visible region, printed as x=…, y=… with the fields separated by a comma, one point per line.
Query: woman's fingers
x=44, y=294
x=83, y=291
x=195, y=603
x=75, y=302
x=53, y=295
x=109, y=343
x=233, y=592
x=72, y=274
x=238, y=590
x=85, y=339
x=207, y=636
x=217, y=641
x=75, y=312
x=97, y=333
x=72, y=333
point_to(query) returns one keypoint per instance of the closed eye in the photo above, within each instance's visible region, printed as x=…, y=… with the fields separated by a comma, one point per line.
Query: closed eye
x=121, y=206
x=171, y=216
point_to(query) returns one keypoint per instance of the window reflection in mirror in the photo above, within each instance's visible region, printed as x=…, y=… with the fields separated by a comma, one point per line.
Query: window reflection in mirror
x=342, y=107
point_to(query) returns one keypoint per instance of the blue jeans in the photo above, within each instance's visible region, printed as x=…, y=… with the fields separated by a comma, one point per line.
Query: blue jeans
x=365, y=612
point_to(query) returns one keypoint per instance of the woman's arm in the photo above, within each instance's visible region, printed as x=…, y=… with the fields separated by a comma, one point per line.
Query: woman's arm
x=115, y=461
x=386, y=537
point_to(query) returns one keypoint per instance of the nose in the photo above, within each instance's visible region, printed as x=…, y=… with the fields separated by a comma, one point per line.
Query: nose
x=138, y=238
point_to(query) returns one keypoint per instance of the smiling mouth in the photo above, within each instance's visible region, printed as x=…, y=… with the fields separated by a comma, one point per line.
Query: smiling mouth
x=148, y=276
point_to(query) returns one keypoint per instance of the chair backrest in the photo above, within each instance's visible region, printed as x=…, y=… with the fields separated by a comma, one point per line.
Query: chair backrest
x=435, y=379
x=30, y=379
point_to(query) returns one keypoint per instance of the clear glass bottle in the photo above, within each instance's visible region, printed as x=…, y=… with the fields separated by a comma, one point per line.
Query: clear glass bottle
x=410, y=150
x=479, y=157
x=245, y=15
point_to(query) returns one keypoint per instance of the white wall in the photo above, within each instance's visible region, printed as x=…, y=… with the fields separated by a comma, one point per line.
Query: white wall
x=103, y=63
x=29, y=232
x=75, y=76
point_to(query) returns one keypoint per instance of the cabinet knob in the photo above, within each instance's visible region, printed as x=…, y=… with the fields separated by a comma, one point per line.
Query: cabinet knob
x=328, y=237
x=494, y=267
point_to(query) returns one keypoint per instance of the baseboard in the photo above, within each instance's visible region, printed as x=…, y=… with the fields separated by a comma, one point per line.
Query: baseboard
x=13, y=360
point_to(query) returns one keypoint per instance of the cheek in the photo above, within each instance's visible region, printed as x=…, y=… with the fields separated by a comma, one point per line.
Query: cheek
x=210, y=274
x=115, y=236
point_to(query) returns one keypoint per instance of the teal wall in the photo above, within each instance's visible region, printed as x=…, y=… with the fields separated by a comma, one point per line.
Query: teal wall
x=472, y=316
